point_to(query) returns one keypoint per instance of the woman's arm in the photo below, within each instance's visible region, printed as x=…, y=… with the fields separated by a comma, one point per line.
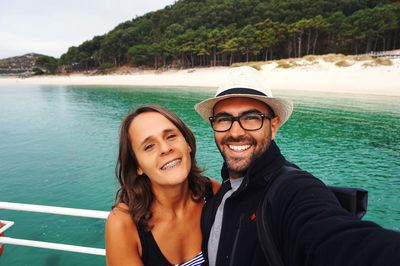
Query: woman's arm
x=122, y=239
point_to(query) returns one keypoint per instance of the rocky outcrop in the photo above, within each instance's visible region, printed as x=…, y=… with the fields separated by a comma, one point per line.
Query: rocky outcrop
x=23, y=65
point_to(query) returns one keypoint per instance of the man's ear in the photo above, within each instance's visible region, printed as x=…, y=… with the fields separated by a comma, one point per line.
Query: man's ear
x=275, y=124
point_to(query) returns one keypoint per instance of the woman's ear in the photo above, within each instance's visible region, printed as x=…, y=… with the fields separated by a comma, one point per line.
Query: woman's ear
x=139, y=171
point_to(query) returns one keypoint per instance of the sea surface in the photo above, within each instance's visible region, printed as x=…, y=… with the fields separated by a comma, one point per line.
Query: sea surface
x=58, y=147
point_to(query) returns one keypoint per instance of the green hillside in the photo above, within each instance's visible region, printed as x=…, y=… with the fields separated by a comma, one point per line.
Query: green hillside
x=221, y=32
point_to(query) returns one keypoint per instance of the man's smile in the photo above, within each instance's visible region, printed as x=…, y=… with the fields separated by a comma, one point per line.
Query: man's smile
x=239, y=148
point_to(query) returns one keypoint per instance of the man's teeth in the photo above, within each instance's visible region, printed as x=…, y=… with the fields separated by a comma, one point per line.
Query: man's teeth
x=239, y=148
x=171, y=164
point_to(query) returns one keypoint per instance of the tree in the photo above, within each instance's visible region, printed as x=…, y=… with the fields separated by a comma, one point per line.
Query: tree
x=71, y=57
x=271, y=34
x=186, y=46
x=47, y=64
x=386, y=21
x=231, y=46
x=371, y=24
x=297, y=30
x=113, y=49
x=228, y=44
x=316, y=26
x=139, y=54
x=170, y=42
x=201, y=43
x=249, y=41
x=214, y=38
x=335, y=28
x=219, y=32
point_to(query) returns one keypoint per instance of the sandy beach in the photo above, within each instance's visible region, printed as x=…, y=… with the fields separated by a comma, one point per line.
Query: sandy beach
x=317, y=75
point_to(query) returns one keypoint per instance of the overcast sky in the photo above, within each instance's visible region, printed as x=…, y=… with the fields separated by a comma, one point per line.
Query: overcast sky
x=50, y=27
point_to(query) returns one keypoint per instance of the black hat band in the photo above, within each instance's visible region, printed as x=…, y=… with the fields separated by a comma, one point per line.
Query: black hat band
x=241, y=91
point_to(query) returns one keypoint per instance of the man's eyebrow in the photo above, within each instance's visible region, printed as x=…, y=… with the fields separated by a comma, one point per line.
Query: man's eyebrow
x=164, y=132
x=251, y=111
x=223, y=113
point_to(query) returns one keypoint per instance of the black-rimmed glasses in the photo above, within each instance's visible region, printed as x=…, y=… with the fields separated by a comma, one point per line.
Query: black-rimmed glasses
x=248, y=121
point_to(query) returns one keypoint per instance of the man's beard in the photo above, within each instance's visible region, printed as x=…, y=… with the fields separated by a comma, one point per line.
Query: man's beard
x=239, y=166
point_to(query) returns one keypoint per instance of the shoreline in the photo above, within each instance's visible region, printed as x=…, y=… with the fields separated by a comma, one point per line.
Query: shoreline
x=314, y=77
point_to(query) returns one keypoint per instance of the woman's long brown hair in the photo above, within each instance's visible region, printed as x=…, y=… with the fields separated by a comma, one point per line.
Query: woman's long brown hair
x=135, y=190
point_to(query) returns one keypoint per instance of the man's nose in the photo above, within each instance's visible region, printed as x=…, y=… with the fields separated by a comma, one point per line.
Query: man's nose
x=236, y=129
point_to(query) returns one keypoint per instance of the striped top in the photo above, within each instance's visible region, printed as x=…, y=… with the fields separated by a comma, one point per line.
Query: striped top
x=152, y=255
x=196, y=261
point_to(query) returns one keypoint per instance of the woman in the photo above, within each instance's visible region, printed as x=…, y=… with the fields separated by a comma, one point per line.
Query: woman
x=156, y=218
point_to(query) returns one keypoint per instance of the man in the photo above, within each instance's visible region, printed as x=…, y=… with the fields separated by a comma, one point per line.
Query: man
x=307, y=224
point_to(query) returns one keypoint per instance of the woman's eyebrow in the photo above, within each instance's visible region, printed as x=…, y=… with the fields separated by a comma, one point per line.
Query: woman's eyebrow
x=146, y=140
x=164, y=132
x=168, y=130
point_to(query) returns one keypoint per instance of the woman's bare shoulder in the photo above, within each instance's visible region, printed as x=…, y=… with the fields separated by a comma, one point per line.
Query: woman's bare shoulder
x=120, y=221
x=122, y=237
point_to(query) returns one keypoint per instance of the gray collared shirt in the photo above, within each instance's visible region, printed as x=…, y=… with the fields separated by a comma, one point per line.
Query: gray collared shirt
x=215, y=233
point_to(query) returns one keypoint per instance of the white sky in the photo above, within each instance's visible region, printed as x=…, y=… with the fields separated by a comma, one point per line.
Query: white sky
x=50, y=27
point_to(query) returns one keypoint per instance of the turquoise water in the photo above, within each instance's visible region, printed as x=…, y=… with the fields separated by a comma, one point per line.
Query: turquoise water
x=58, y=146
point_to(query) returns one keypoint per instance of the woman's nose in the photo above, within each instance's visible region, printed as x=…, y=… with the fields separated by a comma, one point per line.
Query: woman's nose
x=165, y=147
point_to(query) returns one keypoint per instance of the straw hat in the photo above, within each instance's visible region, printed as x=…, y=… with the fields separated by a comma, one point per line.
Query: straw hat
x=246, y=82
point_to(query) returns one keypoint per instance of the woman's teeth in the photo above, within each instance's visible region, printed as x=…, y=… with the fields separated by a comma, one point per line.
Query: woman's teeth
x=170, y=164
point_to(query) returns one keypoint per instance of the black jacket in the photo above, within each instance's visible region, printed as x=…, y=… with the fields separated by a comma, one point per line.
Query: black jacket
x=308, y=225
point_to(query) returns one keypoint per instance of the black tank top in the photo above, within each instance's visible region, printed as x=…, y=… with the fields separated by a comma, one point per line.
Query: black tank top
x=151, y=253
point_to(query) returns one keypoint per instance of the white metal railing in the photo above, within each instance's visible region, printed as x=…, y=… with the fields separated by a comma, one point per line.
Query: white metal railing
x=50, y=210
x=393, y=53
